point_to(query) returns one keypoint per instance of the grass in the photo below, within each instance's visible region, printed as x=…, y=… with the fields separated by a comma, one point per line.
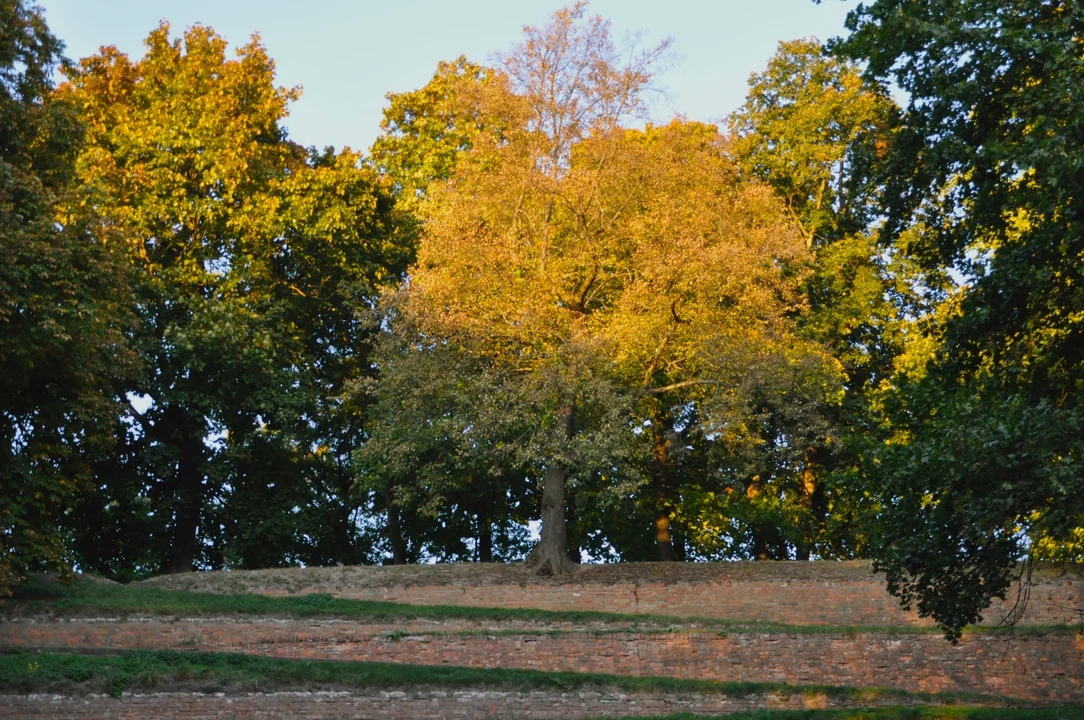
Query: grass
x=902, y=713
x=25, y=671
x=38, y=596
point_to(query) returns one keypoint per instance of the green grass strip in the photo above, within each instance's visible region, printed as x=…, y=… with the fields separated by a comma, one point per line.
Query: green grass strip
x=901, y=713
x=26, y=671
x=45, y=597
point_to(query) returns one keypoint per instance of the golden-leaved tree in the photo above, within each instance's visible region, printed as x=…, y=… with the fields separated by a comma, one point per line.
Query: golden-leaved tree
x=593, y=261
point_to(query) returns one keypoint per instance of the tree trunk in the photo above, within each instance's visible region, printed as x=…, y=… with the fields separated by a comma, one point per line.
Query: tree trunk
x=663, y=540
x=808, y=490
x=339, y=516
x=660, y=472
x=760, y=543
x=768, y=543
x=760, y=533
x=550, y=555
x=189, y=493
x=395, y=534
x=485, y=532
x=574, y=532
x=677, y=540
x=485, y=542
x=802, y=553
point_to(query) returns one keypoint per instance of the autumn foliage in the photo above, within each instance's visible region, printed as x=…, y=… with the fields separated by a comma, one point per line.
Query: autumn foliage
x=830, y=327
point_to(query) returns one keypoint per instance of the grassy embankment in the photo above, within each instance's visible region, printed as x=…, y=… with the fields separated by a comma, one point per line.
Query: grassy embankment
x=46, y=597
x=29, y=671
x=899, y=713
x=77, y=673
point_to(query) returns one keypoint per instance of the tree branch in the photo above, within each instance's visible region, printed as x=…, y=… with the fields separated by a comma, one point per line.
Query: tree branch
x=685, y=383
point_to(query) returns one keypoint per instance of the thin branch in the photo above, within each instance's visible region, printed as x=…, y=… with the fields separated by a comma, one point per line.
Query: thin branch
x=686, y=383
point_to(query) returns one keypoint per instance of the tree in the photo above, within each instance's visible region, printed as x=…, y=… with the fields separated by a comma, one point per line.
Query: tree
x=574, y=251
x=516, y=303
x=249, y=256
x=709, y=270
x=423, y=132
x=62, y=306
x=342, y=240
x=982, y=460
x=816, y=130
x=812, y=127
x=178, y=147
x=447, y=450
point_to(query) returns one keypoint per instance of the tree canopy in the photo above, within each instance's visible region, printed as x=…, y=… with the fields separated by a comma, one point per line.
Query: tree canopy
x=981, y=464
x=837, y=328
x=571, y=245
x=63, y=306
x=248, y=257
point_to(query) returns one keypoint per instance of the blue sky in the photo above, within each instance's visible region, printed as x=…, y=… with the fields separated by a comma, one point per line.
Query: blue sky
x=348, y=53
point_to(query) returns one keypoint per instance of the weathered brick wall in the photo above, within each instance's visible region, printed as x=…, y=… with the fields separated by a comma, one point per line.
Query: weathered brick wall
x=416, y=705
x=805, y=602
x=1047, y=667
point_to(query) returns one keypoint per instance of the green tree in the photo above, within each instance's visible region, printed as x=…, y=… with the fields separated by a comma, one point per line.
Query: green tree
x=249, y=256
x=812, y=127
x=424, y=131
x=62, y=306
x=446, y=450
x=341, y=241
x=982, y=463
x=815, y=130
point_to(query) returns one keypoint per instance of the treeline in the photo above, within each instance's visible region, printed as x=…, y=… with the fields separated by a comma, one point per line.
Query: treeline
x=833, y=327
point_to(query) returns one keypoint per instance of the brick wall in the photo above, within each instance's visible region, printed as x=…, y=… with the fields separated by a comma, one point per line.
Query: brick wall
x=1047, y=667
x=418, y=705
x=804, y=602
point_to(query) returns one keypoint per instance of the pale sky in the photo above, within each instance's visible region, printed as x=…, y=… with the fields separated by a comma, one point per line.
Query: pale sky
x=348, y=53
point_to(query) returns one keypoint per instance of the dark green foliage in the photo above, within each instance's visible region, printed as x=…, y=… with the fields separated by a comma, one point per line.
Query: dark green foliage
x=813, y=128
x=250, y=259
x=441, y=453
x=982, y=467
x=62, y=306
